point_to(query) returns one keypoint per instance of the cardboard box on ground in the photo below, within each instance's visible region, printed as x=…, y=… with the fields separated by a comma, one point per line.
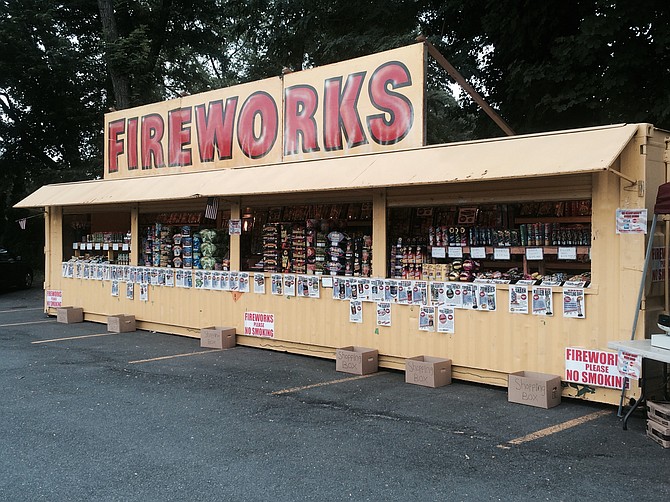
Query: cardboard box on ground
x=658, y=423
x=534, y=389
x=70, y=315
x=428, y=371
x=121, y=323
x=217, y=337
x=356, y=360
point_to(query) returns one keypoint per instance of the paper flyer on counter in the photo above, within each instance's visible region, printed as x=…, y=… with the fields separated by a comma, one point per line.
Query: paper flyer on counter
x=199, y=279
x=629, y=365
x=289, y=284
x=365, y=289
x=244, y=282
x=130, y=290
x=355, y=311
x=259, y=283
x=352, y=289
x=427, y=318
x=277, y=285
x=574, y=305
x=383, y=313
x=542, y=301
x=302, y=286
x=207, y=279
x=445, y=319
x=487, y=297
x=115, y=288
x=518, y=299
x=437, y=293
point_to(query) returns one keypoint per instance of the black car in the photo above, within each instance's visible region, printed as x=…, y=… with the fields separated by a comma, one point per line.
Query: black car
x=14, y=272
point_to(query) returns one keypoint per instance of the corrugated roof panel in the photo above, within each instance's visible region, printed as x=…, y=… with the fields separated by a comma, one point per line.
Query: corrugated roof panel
x=565, y=152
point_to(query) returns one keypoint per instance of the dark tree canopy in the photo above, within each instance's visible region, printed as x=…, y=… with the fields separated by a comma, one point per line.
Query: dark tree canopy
x=543, y=65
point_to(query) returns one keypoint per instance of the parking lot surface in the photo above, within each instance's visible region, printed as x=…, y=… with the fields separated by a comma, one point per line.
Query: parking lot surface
x=87, y=415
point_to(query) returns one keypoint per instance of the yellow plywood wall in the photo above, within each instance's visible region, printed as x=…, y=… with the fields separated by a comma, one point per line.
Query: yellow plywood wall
x=486, y=345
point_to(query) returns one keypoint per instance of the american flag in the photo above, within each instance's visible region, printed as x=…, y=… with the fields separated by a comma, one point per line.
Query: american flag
x=212, y=208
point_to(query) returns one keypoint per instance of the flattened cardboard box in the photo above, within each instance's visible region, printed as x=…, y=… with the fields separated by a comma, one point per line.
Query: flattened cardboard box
x=70, y=315
x=121, y=323
x=217, y=337
x=659, y=411
x=428, y=371
x=658, y=433
x=534, y=389
x=356, y=360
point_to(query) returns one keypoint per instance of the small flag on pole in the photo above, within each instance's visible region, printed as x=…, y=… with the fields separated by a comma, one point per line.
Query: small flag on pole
x=22, y=223
x=212, y=208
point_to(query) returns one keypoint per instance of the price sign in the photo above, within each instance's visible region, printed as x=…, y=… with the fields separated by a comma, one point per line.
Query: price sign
x=501, y=254
x=438, y=252
x=567, y=253
x=455, y=252
x=479, y=253
x=534, y=254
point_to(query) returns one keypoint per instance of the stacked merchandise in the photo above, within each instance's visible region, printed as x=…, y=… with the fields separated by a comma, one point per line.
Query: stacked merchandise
x=271, y=247
x=310, y=247
x=285, y=245
x=186, y=247
x=366, y=256
x=213, y=249
x=165, y=235
x=407, y=260
x=335, y=253
x=148, y=246
x=299, y=249
x=658, y=423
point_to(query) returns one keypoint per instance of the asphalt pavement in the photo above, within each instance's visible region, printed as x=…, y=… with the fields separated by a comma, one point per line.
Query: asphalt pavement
x=87, y=415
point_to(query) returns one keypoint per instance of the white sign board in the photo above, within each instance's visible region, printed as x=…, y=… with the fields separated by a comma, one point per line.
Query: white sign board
x=597, y=368
x=259, y=324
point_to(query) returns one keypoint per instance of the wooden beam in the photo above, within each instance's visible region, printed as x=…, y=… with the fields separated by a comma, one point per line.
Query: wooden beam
x=454, y=73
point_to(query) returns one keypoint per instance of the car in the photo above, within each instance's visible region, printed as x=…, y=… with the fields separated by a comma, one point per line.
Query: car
x=14, y=272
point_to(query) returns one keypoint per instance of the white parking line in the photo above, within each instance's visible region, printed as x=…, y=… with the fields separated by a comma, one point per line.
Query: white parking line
x=72, y=338
x=19, y=310
x=26, y=323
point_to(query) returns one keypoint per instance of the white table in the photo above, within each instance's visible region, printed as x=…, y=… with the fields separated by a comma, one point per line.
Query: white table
x=643, y=349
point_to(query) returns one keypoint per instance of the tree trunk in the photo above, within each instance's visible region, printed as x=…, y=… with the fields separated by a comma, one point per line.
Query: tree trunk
x=120, y=83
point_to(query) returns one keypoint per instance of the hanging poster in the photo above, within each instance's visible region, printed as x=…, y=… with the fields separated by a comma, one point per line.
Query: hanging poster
x=518, y=299
x=259, y=283
x=574, y=305
x=542, y=301
x=243, y=280
x=445, y=319
x=404, y=292
x=314, y=288
x=234, y=278
x=338, y=289
x=199, y=279
x=355, y=311
x=437, y=293
x=144, y=292
x=130, y=290
x=115, y=288
x=352, y=288
x=178, y=278
x=302, y=286
x=469, y=296
x=631, y=221
x=64, y=269
x=276, y=284
x=488, y=300
x=427, y=318
x=225, y=281
x=365, y=289
x=377, y=290
x=289, y=284
x=629, y=365
x=216, y=280
x=453, y=295
x=391, y=290
x=383, y=313
x=420, y=293
x=207, y=279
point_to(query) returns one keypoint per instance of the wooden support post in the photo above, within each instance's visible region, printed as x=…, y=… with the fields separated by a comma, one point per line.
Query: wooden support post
x=454, y=73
